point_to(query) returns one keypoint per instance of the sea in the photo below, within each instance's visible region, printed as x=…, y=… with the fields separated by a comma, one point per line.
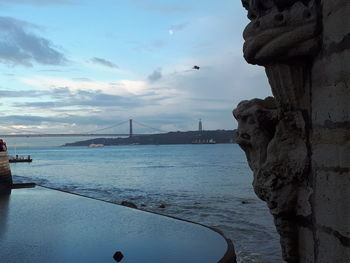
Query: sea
x=207, y=183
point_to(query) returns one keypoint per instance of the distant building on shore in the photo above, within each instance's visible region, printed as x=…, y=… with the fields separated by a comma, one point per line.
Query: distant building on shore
x=200, y=128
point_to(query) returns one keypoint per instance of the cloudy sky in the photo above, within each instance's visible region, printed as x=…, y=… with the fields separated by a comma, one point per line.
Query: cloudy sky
x=82, y=65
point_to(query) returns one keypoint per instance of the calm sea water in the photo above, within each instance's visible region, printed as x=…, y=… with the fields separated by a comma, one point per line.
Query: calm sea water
x=210, y=184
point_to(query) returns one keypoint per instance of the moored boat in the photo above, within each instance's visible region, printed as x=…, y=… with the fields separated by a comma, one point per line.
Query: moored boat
x=204, y=141
x=93, y=145
x=20, y=159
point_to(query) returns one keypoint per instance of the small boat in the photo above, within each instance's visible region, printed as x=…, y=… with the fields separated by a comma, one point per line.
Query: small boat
x=20, y=159
x=204, y=141
x=17, y=158
x=93, y=145
x=211, y=141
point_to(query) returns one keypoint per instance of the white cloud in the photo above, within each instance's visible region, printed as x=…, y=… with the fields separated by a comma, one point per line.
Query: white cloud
x=178, y=97
x=118, y=87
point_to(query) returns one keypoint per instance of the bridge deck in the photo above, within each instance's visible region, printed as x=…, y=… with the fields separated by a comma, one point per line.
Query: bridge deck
x=74, y=135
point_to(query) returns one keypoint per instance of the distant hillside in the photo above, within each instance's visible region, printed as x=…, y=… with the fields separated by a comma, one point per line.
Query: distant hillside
x=219, y=136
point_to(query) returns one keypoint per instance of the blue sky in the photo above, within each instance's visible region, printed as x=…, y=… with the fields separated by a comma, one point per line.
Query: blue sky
x=80, y=65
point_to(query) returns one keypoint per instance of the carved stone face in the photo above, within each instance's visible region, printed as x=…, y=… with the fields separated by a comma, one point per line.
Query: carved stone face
x=256, y=123
x=280, y=30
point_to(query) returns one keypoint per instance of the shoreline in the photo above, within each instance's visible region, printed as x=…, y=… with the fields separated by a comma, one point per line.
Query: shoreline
x=170, y=138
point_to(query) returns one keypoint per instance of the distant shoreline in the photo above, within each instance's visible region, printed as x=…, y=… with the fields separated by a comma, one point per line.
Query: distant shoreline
x=189, y=137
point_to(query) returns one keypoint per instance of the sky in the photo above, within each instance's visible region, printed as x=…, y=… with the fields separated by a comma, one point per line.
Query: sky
x=69, y=66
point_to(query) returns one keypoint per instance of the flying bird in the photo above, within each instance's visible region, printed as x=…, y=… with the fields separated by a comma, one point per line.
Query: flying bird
x=196, y=67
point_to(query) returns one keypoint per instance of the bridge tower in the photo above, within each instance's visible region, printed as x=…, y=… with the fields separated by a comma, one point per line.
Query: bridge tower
x=130, y=128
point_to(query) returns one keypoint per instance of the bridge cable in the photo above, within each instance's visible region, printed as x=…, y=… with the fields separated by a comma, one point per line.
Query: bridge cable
x=106, y=128
x=146, y=126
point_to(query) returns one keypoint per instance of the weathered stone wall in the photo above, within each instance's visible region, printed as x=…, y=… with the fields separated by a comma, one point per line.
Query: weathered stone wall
x=330, y=139
x=298, y=143
x=5, y=174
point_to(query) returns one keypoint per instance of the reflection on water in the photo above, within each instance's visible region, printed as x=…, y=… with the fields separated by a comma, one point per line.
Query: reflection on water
x=4, y=206
x=209, y=184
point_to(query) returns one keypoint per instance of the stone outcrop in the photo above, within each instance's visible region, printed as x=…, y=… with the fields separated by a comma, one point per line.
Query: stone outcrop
x=128, y=204
x=298, y=142
x=5, y=174
x=275, y=145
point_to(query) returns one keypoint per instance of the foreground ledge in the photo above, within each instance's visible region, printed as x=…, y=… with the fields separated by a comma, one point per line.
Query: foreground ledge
x=44, y=225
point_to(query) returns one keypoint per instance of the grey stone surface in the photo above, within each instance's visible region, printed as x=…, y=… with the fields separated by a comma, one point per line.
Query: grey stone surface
x=330, y=139
x=329, y=249
x=302, y=169
x=330, y=212
x=306, y=245
x=5, y=174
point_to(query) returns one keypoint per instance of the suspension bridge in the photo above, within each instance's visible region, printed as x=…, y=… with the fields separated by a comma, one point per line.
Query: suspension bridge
x=93, y=133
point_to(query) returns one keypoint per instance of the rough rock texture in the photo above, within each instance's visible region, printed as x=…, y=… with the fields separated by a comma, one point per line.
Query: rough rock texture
x=5, y=174
x=298, y=143
x=263, y=131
